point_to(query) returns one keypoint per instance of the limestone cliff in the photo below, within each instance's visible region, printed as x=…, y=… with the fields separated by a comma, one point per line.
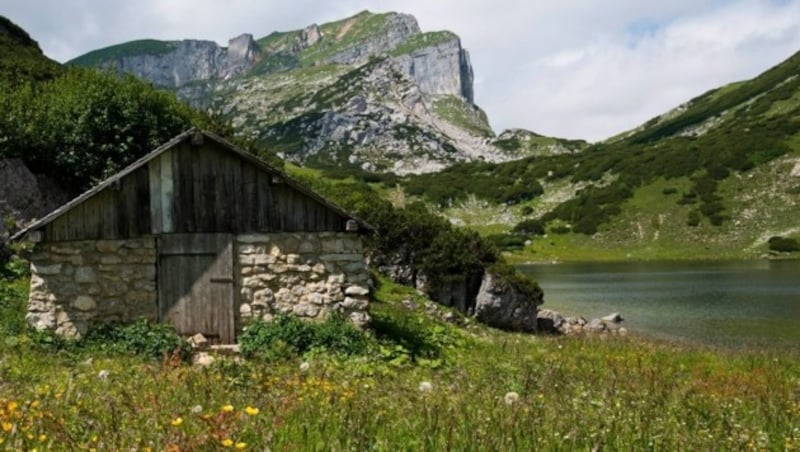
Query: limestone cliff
x=370, y=91
x=190, y=61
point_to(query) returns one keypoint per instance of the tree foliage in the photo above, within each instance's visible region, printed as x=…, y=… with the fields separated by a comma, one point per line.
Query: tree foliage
x=783, y=244
x=84, y=125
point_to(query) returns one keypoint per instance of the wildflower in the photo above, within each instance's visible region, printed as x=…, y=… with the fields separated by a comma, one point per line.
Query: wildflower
x=227, y=442
x=103, y=374
x=511, y=398
x=251, y=411
x=42, y=438
x=177, y=421
x=7, y=426
x=197, y=409
x=12, y=406
x=240, y=445
x=425, y=386
x=304, y=366
x=35, y=404
x=227, y=408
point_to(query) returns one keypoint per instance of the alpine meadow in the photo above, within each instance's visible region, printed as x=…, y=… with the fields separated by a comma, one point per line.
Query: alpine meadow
x=314, y=240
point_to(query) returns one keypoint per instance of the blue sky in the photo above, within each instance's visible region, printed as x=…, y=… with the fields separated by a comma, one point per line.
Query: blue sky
x=572, y=68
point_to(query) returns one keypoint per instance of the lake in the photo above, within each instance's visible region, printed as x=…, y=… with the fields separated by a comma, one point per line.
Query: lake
x=729, y=304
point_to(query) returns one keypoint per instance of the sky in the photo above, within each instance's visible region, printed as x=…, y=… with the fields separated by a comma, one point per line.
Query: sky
x=585, y=69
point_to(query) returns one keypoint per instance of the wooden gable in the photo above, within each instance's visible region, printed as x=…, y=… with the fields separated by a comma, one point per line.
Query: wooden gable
x=196, y=183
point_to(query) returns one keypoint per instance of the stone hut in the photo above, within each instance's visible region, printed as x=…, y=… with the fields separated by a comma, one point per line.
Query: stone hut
x=202, y=235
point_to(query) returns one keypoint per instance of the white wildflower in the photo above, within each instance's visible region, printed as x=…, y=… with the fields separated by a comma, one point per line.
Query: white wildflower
x=304, y=366
x=425, y=386
x=197, y=409
x=511, y=398
x=103, y=374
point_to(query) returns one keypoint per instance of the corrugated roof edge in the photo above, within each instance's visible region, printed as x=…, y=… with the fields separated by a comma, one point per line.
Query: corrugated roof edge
x=294, y=183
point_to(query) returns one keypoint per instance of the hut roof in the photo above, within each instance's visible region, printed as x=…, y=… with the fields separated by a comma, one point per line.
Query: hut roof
x=193, y=134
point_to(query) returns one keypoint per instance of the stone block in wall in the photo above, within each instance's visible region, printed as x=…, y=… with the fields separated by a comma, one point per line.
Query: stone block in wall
x=84, y=303
x=42, y=270
x=85, y=275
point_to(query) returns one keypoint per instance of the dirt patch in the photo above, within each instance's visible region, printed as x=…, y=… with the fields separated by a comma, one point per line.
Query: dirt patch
x=345, y=28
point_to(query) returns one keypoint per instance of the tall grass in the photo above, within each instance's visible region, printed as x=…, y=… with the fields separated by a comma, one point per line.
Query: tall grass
x=577, y=393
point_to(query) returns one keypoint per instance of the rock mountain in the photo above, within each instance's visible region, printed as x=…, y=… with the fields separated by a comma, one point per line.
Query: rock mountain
x=371, y=91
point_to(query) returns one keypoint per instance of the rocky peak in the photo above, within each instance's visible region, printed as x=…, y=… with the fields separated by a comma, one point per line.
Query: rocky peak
x=310, y=35
x=396, y=29
x=242, y=48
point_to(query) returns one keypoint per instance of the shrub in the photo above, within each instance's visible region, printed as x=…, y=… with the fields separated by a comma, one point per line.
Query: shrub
x=153, y=340
x=669, y=191
x=783, y=244
x=287, y=335
x=693, y=218
x=532, y=226
x=527, y=210
x=13, y=297
x=507, y=242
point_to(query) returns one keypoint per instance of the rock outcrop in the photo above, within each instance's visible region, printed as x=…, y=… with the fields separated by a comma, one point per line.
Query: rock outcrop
x=191, y=61
x=25, y=196
x=396, y=29
x=443, y=68
x=553, y=322
x=501, y=306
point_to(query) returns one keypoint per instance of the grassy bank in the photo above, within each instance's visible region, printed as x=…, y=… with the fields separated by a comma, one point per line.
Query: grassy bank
x=423, y=385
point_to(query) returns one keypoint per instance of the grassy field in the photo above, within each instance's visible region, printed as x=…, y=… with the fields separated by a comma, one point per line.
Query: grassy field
x=421, y=385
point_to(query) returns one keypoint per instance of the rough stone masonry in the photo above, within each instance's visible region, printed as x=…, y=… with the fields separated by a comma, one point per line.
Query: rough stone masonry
x=75, y=285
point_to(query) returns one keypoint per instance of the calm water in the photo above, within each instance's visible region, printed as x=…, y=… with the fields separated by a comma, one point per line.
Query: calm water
x=729, y=304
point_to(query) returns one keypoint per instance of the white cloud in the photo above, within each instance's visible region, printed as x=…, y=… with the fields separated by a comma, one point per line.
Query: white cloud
x=574, y=68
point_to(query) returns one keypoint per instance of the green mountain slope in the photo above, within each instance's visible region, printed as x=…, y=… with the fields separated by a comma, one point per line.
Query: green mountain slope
x=21, y=59
x=716, y=177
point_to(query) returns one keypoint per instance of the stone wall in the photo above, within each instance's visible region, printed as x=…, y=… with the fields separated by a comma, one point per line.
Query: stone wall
x=76, y=284
x=308, y=274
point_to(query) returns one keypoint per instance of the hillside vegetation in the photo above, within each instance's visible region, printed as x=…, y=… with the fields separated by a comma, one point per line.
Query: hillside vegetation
x=717, y=177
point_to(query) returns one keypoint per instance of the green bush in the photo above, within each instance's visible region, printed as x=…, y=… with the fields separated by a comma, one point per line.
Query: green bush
x=532, y=227
x=85, y=125
x=287, y=335
x=13, y=300
x=507, y=242
x=148, y=339
x=783, y=244
x=693, y=219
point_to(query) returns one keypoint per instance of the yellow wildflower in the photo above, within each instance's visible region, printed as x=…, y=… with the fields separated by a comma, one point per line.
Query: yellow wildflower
x=227, y=408
x=35, y=404
x=7, y=426
x=251, y=411
x=241, y=445
x=227, y=442
x=42, y=438
x=12, y=406
x=177, y=421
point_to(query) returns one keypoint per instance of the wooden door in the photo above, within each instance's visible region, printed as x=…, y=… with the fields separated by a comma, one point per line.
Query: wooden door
x=195, y=285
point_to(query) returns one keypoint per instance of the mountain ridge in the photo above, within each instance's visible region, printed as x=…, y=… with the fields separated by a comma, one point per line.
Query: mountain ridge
x=305, y=92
